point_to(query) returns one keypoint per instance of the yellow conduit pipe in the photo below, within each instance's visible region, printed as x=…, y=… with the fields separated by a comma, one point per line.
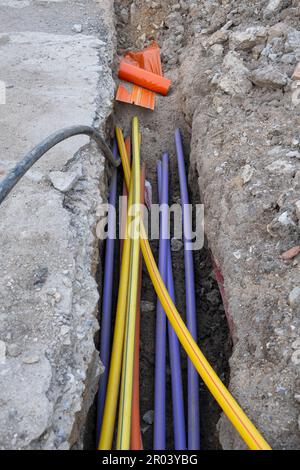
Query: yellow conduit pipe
x=133, y=232
x=112, y=392
x=233, y=411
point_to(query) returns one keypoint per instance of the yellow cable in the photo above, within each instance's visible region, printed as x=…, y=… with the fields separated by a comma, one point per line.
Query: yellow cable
x=236, y=415
x=124, y=423
x=112, y=393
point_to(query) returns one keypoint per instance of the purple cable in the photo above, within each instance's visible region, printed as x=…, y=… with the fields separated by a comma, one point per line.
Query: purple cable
x=191, y=315
x=105, y=330
x=177, y=391
x=160, y=345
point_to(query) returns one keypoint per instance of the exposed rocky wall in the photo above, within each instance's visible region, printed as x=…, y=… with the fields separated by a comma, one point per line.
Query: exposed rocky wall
x=241, y=102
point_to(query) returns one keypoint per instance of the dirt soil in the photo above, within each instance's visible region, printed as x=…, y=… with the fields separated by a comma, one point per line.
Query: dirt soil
x=158, y=136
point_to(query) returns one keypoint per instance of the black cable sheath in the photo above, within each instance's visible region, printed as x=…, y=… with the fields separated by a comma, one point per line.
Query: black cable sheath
x=35, y=154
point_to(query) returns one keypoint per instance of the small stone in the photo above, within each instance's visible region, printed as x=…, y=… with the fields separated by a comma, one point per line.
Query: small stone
x=293, y=154
x=296, y=74
x=13, y=350
x=149, y=417
x=217, y=50
x=141, y=40
x=247, y=173
x=235, y=79
x=244, y=40
x=297, y=397
x=124, y=15
x=278, y=30
x=294, y=297
x=77, y=28
x=64, y=330
x=147, y=306
x=293, y=41
x=289, y=59
x=67, y=282
x=297, y=204
x=296, y=344
x=291, y=253
x=281, y=167
x=237, y=254
x=274, y=6
x=31, y=359
x=218, y=38
x=176, y=245
x=63, y=180
x=296, y=357
x=269, y=77
x=2, y=352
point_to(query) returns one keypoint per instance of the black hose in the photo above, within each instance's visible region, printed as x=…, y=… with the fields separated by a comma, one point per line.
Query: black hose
x=32, y=157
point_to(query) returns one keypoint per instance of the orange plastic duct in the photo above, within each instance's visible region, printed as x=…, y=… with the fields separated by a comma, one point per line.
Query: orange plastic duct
x=143, y=78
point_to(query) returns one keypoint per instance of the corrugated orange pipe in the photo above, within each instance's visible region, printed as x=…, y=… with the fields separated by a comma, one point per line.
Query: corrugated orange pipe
x=136, y=437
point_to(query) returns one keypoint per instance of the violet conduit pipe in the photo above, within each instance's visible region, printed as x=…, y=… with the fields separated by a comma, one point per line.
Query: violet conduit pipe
x=191, y=315
x=107, y=294
x=159, y=441
x=174, y=351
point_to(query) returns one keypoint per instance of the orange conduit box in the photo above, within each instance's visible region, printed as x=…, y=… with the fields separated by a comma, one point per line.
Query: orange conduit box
x=134, y=94
x=143, y=78
x=147, y=59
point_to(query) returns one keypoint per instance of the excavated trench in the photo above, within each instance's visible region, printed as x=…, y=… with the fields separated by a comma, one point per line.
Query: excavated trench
x=157, y=130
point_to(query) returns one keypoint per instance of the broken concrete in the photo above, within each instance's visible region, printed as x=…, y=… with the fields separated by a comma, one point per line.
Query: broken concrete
x=49, y=252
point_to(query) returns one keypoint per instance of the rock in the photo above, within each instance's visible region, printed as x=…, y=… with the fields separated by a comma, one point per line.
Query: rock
x=282, y=225
x=149, y=417
x=296, y=357
x=297, y=397
x=65, y=180
x=217, y=50
x=244, y=40
x=77, y=28
x=293, y=41
x=294, y=297
x=176, y=245
x=2, y=352
x=219, y=37
x=297, y=204
x=285, y=219
x=269, y=77
x=293, y=154
x=296, y=74
x=124, y=15
x=281, y=167
x=291, y=253
x=235, y=79
x=247, y=173
x=141, y=40
x=64, y=330
x=275, y=6
x=13, y=350
x=31, y=359
x=296, y=344
x=147, y=306
x=289, y=59
x=278, y=30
